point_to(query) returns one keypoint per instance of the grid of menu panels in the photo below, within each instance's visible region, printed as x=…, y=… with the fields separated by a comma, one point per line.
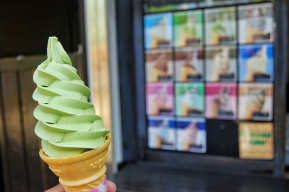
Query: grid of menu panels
x=210, y=65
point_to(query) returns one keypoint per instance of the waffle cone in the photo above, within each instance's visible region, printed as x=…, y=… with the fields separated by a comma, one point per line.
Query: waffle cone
x=155, y=73
x=185, y=145
x=185, y=110
x=214, y=110
x=81, y=172
x=250, y=109
x=250, y=32
x=215, y=38
x=185, y=71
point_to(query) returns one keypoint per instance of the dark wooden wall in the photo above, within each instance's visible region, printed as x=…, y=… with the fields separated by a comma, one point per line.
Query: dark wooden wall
x=26, y=25
x=24, y=30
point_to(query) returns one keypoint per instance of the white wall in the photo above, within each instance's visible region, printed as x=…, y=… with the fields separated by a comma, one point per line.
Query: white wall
x=102, y=67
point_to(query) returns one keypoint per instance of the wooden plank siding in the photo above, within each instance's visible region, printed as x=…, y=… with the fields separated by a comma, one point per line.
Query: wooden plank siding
x=23, y=169
x=31, y=141
x=14, y=132
x=3, y=141
x=25, y=28
x=22, y=164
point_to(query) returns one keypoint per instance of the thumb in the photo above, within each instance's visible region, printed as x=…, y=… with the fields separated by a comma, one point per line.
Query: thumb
x=111, y=187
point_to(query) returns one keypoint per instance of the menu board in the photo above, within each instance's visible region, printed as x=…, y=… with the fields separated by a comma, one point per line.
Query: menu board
x=210, y=76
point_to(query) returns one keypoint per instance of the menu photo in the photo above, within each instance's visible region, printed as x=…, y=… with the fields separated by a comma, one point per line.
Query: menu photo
x=161, y=133
x=159, y=66
x=191, y=135
x=158, y=30
x=188, y=28
x=256, y=63
x=189, y=99
x=255, y=23
x=189, y=64
x=221, y=100
x=221, y=63
x=256, y=140
x=256, y=101
x=160, y=99
x=220, y=26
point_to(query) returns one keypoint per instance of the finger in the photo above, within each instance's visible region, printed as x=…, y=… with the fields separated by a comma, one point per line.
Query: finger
x=57, y=188
x=111, y=187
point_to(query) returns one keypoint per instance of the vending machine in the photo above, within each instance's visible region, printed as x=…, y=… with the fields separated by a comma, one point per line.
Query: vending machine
x=210, y=84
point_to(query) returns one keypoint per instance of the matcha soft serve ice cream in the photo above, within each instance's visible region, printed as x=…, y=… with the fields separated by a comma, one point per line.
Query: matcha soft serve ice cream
x=67, y=123
x=74, y=143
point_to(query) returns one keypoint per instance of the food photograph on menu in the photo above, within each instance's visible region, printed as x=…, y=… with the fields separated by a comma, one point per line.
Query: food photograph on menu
x=191, y=135
x=256, y=140
x=221, y=63
x=220, y=25
x=189, y=99
x=221, y=100
x=255, y=101
x=159, y=66
x=161, y=133
x=158, y=32
x=256, y=63
x=255, y=23
x=189, y=64
x=160, y=99
x=188, y=28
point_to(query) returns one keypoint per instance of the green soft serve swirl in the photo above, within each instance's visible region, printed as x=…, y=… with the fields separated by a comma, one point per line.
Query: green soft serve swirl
x=67, y=123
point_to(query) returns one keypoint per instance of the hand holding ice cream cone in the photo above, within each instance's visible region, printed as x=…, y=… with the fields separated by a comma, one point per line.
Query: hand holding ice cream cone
x=74, y=142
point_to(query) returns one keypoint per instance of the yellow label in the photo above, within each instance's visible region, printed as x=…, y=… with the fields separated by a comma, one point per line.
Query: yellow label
x=256, y=141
